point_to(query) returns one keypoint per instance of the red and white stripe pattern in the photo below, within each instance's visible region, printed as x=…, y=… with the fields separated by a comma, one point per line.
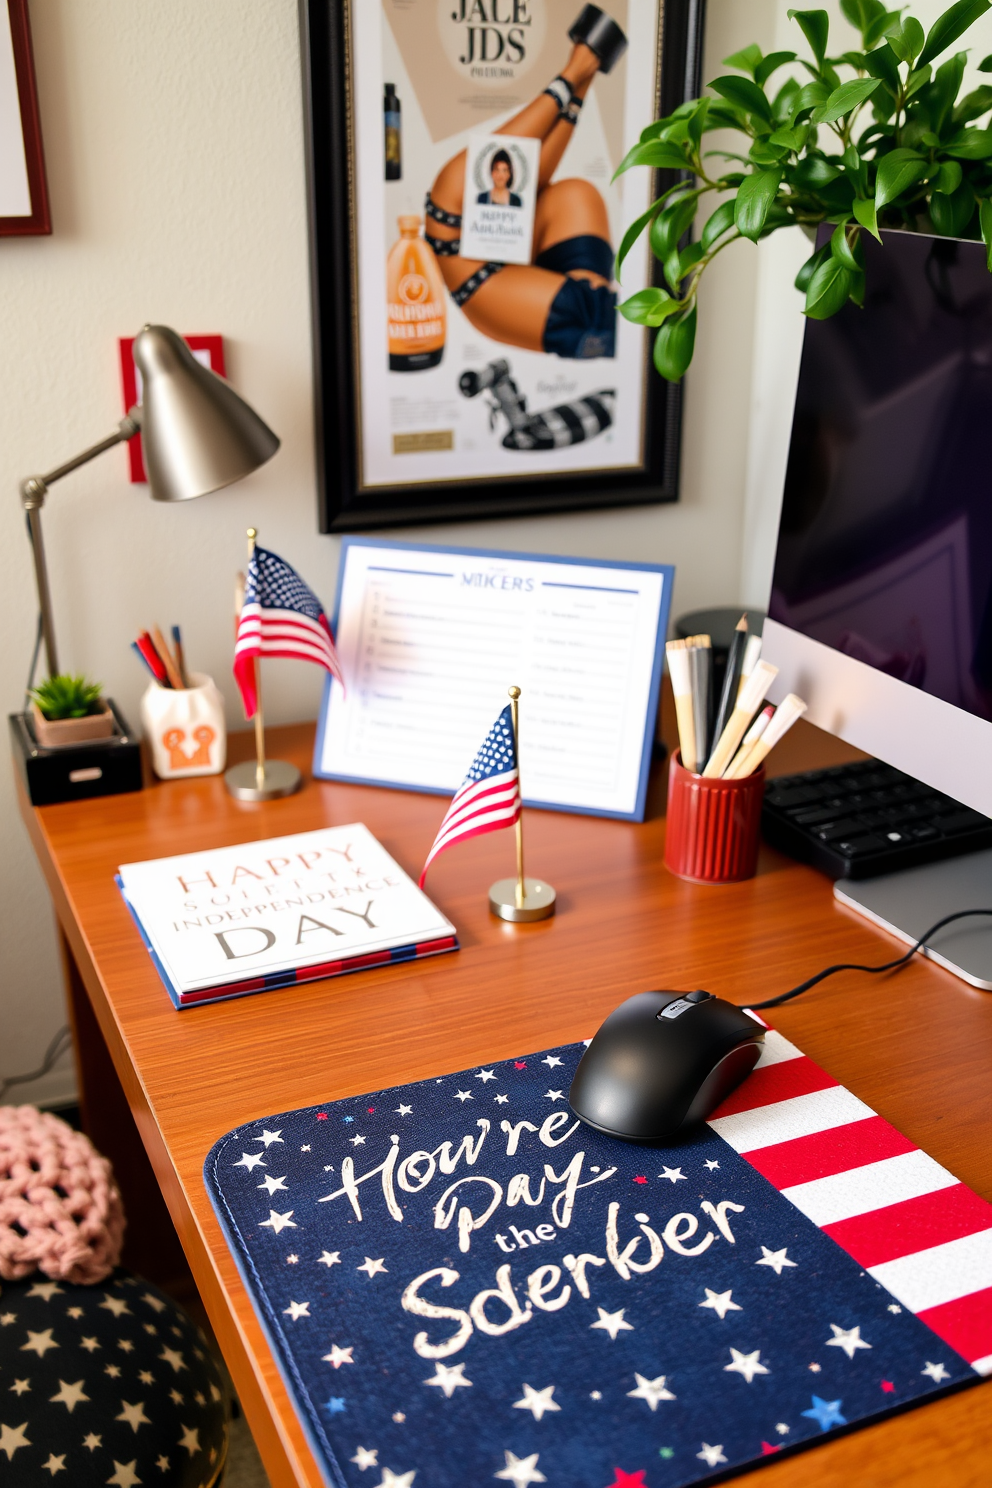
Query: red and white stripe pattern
x=909, y=1222
x=281, y=616
x=489, y=797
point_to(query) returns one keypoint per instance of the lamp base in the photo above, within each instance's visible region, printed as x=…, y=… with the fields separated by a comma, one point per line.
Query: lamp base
x=280, y=778
x=539, y=900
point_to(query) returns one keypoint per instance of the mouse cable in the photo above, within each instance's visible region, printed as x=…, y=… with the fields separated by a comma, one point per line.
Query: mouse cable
x=961, y=914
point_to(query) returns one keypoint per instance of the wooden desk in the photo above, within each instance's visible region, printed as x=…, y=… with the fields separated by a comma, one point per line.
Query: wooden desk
x=918, y=1047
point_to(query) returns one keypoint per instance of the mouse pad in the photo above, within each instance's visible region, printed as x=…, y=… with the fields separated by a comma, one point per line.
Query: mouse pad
x=463, y=1285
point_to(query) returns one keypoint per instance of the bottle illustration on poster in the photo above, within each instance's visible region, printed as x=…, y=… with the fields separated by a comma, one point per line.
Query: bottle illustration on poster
x=393, y=134
x=415, y=295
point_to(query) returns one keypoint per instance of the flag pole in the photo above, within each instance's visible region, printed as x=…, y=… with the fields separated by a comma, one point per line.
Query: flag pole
x=263, y=780
x=521, y=894
x=259, y=716
x=520, y=899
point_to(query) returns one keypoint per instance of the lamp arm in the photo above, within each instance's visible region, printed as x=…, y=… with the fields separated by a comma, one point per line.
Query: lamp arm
x=35, y=488
x=33, y=493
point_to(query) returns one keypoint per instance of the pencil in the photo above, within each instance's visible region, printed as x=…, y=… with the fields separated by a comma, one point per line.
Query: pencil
x=738, y=765
x=143, y=659
x=172, y=671
x=747, y=705
x=152, y=659
x=728, y=693
x=700, y=671
x=752, y=651
x=788, y=710
x=678, y=670
x=177, y=641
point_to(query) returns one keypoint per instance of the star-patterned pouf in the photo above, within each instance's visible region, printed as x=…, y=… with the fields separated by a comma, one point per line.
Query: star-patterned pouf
x=464, y=1285
x=106, y=1384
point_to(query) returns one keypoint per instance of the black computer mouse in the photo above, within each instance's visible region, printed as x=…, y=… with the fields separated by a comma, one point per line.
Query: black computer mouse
x=663, y=1061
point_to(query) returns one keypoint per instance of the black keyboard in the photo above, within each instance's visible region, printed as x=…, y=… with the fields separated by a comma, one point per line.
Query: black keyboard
x=856, y=821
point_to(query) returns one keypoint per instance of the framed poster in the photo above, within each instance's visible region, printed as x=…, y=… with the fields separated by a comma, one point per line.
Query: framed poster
x=469, y=359
x=23, y=191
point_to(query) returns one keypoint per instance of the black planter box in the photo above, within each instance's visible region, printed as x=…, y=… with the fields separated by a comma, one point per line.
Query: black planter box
x=102, y=767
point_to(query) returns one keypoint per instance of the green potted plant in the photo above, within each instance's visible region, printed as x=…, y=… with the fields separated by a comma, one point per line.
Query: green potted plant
x=873, y=138
x=69, y=710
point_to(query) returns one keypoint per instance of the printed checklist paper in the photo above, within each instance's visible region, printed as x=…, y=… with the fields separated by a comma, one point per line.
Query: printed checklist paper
x=259, y=915
x=464, y=1285
x=431, y=638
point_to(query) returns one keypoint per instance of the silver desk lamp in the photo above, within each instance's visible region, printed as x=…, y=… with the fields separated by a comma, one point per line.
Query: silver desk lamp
x=198, y=435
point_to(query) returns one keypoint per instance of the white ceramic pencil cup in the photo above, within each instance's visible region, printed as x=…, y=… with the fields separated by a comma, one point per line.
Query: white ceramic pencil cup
x=185, y=729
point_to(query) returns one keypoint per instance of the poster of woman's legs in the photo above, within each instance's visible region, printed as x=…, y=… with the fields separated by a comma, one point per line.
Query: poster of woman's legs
x=486, y=136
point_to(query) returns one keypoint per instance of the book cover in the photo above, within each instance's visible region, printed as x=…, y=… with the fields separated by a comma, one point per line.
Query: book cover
x=246, y=918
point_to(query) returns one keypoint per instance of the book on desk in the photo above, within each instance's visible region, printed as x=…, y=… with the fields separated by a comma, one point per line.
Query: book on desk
x=254, y=916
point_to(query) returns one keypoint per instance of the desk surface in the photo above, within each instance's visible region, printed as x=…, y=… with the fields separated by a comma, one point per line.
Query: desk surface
x=916, y=1047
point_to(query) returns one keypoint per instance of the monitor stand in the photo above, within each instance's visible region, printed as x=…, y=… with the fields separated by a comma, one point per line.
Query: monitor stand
x=908, y=903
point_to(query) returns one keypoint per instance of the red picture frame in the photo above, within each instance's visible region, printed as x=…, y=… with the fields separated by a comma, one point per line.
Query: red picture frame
x=39, y=221
x=214, y=348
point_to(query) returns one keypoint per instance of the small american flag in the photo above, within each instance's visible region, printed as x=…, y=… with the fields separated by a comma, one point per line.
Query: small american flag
x=489, y=796
x=281, y=616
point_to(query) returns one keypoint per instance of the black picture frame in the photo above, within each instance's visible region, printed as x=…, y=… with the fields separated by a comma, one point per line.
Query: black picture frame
x=343, y=506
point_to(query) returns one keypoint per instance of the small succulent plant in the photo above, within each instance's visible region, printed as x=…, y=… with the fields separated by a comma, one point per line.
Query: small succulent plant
x=67, y=697
x=891, y=146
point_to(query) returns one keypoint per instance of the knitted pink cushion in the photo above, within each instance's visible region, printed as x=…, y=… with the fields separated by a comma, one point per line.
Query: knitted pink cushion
x=60, y=1210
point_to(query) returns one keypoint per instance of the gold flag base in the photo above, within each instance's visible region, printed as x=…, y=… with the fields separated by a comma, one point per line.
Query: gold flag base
x=278, y=778
x=538, y=900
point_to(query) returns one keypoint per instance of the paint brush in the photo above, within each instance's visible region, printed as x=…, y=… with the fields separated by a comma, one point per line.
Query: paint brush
x=750, y=700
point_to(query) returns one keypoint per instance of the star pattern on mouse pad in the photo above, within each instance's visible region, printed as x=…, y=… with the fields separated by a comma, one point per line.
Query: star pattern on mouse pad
x=487, y=1290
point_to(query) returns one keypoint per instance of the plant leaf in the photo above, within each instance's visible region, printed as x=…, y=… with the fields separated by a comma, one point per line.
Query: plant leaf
x=952, y=24
x=970, y=144
x=649, y=307
x=673, y=345
x=791, y=139
x=815, y=27
x=866, y=214
x=658, y=154
x=916, y=80
x=716, y=225
x=746, y=60
x=841, y=250
x=810, y=267
x=745, y=94
x=843, y=99
x=973, y=105
x=633, y=232
x=882, y=63
x=950, y=214
x=809, y=97
x=907, y=41
x=770, y=64
x=985, y=222
x=670, y=224
x=948, y=177
x=828, y=289
x=814, y=172
x=896, y=171
x=754, y=196
x=986, y=64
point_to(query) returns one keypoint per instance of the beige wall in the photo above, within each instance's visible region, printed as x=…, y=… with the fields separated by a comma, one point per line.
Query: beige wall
x=173, y=138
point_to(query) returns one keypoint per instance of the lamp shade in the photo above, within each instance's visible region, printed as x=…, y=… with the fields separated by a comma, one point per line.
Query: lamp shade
x=197, y=433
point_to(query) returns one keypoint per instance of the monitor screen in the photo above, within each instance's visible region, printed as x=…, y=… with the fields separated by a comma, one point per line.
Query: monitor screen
x=885, y=545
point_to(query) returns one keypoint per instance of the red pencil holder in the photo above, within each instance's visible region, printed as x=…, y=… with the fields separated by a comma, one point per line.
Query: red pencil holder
x=713, y=825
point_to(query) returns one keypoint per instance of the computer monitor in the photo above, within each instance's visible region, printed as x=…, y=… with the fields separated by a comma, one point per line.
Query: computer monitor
x=881, y=607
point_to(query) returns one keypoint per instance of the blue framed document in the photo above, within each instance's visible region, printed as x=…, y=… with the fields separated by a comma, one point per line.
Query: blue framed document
x=430, y=638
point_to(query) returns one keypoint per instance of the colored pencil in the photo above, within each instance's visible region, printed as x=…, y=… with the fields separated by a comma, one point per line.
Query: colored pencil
x=154, y=662
x=177, y=641
x=172, y=671
x=143, y=659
